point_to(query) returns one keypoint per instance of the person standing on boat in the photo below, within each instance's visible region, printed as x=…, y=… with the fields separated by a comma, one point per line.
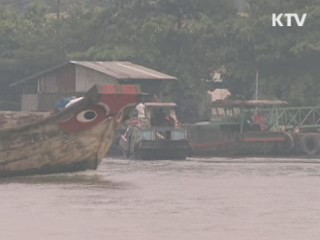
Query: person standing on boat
x=141, y=110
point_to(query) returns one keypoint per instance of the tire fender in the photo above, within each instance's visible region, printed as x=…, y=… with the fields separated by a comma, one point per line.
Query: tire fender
x=289, y=142
x=310, y=143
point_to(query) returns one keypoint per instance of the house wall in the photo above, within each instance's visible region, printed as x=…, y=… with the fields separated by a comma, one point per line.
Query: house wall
x=30, y=88
x=59, y=81
x=47, y=102
x=148, y=85
x=29, y=102
x=43, y=102
x=68, y=81
x=86, y=78
x=73, y=80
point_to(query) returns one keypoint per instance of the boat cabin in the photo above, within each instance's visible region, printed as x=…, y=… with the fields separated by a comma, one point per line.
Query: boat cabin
x=155, y=133
x=156, y=114
x=245, y=115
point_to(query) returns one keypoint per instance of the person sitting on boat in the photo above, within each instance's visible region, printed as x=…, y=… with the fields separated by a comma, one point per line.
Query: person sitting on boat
x=248, y=121
x=171, y=121
x=261, y=120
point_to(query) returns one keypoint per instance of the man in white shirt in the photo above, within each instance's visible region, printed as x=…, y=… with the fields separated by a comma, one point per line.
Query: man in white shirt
x=141, y=110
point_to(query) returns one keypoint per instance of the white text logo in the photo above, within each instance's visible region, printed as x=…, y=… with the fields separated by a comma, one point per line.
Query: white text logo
x=286, y=19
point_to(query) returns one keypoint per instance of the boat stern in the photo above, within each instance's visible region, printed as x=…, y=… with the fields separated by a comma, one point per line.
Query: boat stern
x=160, y=143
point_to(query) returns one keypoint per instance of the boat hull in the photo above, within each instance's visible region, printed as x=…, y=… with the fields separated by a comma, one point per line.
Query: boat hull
x=50, y=150
x=218, y=143
x=162, y=149
x=75, y=139
x=155, y=143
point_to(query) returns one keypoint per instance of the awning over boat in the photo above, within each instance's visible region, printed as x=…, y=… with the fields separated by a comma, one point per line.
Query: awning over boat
x=248, y=103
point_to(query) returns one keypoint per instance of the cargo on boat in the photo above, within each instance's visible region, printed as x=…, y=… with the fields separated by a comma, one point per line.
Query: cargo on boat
x=155, y=133
x=72, y=139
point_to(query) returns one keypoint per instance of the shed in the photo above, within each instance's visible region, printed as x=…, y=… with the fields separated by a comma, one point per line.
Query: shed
x=41, y=90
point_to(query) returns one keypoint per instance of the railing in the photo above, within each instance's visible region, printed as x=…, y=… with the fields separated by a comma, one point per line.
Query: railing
x=164, y=134
x=296, y=117
x=276, y=118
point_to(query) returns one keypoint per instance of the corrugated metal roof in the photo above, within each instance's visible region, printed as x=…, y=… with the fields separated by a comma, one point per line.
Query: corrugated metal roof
x=124, y=70
x=117, y=70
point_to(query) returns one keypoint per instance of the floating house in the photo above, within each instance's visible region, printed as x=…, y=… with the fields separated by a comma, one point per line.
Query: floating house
x=40, y=91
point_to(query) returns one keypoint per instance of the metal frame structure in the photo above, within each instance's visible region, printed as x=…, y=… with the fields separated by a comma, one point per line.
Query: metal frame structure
x=297, y=117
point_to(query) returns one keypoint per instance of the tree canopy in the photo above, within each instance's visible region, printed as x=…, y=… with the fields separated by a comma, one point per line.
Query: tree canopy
x=190, y=39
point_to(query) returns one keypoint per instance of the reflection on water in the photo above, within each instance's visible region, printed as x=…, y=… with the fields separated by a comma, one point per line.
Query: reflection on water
x=248, y=198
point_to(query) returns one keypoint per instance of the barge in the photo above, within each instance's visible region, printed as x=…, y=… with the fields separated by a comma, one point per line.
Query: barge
x=256, y=127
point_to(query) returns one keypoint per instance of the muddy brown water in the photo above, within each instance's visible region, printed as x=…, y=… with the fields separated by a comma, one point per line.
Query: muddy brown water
x=216, y=198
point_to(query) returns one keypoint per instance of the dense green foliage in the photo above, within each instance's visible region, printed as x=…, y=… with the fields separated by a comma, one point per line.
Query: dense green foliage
x=189, y=39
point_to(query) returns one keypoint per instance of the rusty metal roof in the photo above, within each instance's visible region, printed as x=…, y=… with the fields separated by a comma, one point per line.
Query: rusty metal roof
x=117, y=70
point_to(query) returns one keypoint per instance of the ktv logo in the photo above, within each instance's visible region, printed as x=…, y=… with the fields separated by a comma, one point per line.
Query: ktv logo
x=287, y=19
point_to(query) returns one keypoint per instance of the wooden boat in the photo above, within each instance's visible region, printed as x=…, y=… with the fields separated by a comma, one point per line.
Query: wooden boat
x=240, y=128
x=155, y=134
x=74, y=139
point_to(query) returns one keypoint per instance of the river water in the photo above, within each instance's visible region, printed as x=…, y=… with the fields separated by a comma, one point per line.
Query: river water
x=249, y=198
